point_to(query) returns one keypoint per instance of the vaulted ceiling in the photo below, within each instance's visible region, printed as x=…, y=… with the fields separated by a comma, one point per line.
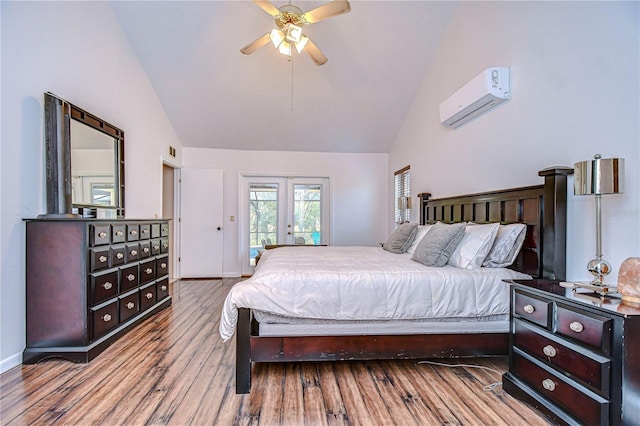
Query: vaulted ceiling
x=216, y=97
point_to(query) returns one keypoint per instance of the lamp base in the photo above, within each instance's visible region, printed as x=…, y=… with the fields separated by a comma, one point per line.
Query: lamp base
x=601, y=289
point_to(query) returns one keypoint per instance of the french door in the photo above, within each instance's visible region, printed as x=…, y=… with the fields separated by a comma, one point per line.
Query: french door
x=282, y=210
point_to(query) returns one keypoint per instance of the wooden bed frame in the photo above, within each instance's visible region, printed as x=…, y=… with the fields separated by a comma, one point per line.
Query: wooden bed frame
x=542, y=208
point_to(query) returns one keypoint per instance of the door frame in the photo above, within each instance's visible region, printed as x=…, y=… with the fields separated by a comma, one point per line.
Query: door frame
x=174, y=270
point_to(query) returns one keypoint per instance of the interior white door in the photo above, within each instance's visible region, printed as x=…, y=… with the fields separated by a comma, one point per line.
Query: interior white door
x=201, y=220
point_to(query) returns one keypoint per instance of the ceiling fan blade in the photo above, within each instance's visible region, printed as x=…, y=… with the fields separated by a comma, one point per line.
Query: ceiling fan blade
x=256, y=44
x=334, y=8
x=315, y=53
x=267, y=6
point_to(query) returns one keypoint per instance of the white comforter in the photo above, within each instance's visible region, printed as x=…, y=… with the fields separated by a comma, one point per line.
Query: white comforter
x=364, y=283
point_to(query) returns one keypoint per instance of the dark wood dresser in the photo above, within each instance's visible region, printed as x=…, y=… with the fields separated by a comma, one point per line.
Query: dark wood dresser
x=573, y=355
x=90, y=280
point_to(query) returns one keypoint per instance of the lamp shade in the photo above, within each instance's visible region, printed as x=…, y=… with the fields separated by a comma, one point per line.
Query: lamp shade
x=598, y=176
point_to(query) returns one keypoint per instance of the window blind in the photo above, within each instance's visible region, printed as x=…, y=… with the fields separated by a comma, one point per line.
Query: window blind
x=402, y=180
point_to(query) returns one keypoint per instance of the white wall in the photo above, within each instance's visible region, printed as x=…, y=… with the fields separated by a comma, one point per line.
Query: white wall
x=78, y=51
x=358, y=186
x=575, y=83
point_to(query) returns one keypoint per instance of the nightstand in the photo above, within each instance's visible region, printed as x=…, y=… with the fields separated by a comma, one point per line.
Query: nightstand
x=574, y=355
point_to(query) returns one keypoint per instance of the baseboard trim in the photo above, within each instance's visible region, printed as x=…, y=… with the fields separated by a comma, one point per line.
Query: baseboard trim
x=10, y=362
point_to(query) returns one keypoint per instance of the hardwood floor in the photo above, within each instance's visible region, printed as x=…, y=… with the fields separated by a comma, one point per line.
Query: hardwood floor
x=174, y=369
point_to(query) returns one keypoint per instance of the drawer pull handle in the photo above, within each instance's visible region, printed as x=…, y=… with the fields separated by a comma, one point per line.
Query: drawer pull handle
x=165, y=246
x=133, y=232
x=131, y=305
x=549, y=385
x=165, y=230
x=156, y=247
x=102, y=234
x=146, y=249
x=149, y=295
x=106, y=318
x=145, y=231
x=576, y=326
x=119, y=255
x=107, y=286
x=131, y=277
x=134, y=252
x=163, y=288
x=529, y=309
x=119, y=233
x=549, y=351
x=163, y=265
x=102, y=259
x=148, y=271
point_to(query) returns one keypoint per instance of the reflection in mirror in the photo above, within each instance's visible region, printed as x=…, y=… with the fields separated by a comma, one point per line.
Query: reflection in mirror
x=93, y=166
x=84, y=162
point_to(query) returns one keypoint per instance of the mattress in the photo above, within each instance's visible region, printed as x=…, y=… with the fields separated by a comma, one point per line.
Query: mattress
x=365, y=284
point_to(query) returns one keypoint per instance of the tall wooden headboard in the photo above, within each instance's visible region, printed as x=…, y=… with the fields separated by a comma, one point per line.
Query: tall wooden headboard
x=543, y=208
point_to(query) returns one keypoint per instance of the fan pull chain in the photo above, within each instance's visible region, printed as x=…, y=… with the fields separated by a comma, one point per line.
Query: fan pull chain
x=291, y=60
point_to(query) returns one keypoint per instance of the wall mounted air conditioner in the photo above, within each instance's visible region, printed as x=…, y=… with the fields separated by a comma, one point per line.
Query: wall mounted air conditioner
x=490, y=88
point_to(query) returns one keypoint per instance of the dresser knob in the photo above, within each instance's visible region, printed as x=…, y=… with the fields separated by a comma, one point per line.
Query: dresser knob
x=107, y=285
x=134, y=252
x=529, y=309
x=156, y=247
x=106, y=318
x=163, y=265
x=131, y=277
x=146, y=249
x=549, y=351
x=119, y=255
x=163, y=288
x=102, y=259
x=148, y=271
x=119, y=233
x=145, y=231
x=133, y=232
x=149, y=295
x=549, y=385
x=102, y=234
x=131, y=305
x=165, y=246
x=576, y=326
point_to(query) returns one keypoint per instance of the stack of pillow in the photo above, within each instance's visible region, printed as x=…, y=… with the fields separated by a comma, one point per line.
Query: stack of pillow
x=463, y=245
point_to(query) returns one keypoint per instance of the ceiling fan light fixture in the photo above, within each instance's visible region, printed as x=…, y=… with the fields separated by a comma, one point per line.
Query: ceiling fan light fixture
x=301, y=44
x=285, y=48
x=293, y=32
x=277, y=37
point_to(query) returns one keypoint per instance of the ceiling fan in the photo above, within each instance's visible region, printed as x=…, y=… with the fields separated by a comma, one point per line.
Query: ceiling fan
x=289, y=21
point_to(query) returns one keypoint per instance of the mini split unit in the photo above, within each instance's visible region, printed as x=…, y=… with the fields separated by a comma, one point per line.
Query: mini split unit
x=488, y=89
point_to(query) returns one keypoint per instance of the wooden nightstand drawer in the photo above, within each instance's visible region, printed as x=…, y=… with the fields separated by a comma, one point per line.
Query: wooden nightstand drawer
x=593, y=370
x=585, y=327
x=590, y=410
x=532, y=309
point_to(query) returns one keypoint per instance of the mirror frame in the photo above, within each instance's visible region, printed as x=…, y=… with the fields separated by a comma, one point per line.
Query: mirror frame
x=58, y=116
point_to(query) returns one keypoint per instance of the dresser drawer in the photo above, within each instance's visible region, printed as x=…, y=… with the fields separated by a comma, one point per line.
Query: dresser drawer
x=162, y=266
x=103, y=286
x=131, y=252
x=104, y=319
x=589, y=410
x=133, y=232
x=129, y=278
x=532, y=309
x=145, y=249
x=129, y=305
x=99, y=234
x=145, y=231
x=118, y=233
x=593, y=371
x=585, y=327
x=118, y=254
x=147, y=296
x=99, y=258
x=147, y=271
x=155, y=230
x=164, y=245
x=162, y=288
x=164, y=230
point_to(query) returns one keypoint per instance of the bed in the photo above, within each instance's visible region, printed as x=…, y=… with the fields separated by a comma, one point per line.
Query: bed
x=289, y=321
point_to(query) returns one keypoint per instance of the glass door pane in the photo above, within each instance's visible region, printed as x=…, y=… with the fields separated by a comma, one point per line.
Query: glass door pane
x=263, y=217
x=307, y=214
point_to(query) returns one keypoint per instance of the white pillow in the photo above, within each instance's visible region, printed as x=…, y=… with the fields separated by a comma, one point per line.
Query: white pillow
x=475, y=245
x=506, y=246
x=422, y=231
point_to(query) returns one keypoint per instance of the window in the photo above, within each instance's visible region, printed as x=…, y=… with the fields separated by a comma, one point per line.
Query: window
x=402, y=199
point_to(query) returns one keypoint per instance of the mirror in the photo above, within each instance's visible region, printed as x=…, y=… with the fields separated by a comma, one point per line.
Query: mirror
x=85, y=162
